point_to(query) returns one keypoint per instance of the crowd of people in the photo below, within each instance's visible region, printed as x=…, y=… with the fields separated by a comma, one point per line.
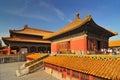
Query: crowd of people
x=114, y=51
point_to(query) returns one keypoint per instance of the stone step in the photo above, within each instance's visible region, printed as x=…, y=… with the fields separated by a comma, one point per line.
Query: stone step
x=25, y=70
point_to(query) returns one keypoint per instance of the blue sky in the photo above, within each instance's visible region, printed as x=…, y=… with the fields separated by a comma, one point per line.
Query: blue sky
x=53, y=14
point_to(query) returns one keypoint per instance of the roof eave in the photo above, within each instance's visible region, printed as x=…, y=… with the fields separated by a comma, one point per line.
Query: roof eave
x=8, y=39
x=87, y=19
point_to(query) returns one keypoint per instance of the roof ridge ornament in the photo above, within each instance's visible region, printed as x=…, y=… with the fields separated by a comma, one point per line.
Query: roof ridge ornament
x=88, y=17
x=25, y=26
x=77, y=15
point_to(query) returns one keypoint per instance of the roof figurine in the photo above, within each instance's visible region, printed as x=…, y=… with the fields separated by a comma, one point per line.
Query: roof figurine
x=77, y=15
x=26, y=26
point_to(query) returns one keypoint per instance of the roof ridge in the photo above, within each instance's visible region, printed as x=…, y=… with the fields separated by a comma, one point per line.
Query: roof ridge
x=74, y=24
x=26, y=27
x=87, y=18
x=40, y=29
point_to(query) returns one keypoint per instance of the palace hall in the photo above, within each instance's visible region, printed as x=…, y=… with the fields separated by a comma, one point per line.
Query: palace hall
x=68, y=48
x=28, y=40
x=79, y=36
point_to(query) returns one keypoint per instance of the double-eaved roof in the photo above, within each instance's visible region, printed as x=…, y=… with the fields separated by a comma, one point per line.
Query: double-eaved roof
x=31, y=31
x=27, y=31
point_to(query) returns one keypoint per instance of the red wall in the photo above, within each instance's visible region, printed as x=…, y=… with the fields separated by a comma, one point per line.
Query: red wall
x=75, y=45
x=78, y=44
x=54, y=47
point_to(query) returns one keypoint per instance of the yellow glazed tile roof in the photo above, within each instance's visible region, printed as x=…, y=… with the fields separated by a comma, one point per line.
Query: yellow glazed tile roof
x=114, y=43
x=32, y=31
x=35, y=56
x=17, y=39
x=109, y=69
x=75, y=24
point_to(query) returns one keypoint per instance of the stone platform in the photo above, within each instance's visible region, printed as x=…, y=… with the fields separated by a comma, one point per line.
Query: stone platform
x=7, y=72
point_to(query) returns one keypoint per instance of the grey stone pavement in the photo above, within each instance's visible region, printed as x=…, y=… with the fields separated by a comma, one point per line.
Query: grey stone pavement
x=7, y=72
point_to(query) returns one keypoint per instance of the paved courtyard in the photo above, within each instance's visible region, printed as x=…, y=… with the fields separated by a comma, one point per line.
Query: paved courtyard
x=7, y=72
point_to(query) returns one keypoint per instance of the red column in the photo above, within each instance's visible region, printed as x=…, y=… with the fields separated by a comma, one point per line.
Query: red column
x=79, y=74
x=44, y=65
x=58, y=69
x=19, y=49
x=71, y=74
x=8, y=50
x=85, y=44
x=64, y=73
x=91, y=77
x=36, y=49
x=28, y=49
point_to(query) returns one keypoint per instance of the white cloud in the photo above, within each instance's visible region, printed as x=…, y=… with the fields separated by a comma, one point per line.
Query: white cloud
x=59, y=13
x=55, y=10
x=41, y=10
